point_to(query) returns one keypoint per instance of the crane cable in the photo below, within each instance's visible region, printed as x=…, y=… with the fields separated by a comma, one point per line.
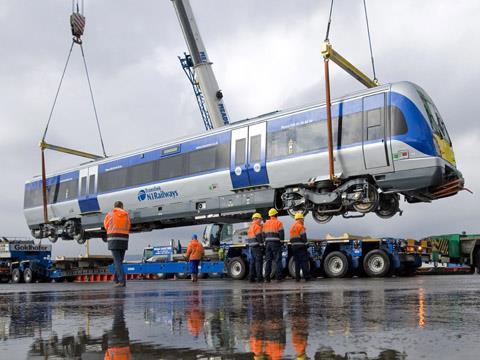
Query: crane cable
x=369, y=41
x=76, y=40
x=329, y=22
x=327, y=34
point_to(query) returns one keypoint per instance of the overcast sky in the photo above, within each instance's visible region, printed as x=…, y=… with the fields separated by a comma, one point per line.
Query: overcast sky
x=266, y=57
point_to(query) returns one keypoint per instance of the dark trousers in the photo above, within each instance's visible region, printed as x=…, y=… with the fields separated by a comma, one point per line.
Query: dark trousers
x=300, y=257
x=273, y=252
x=118, y=256
x=256, y=263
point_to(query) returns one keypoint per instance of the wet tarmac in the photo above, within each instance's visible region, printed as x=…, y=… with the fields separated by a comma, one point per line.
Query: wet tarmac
x=426, y=317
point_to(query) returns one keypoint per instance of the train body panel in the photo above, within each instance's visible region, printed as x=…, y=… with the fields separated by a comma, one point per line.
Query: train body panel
x=389, y=140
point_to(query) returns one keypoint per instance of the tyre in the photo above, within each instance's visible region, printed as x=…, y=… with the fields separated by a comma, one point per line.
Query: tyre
x=161, y=276
x=376, y=263
x=388, y=206
x=291, y=268
x=16, y=276
x=336, y=265
x=202, y=275
x=28, y=276
x=272, y=272
x=237, y=268
x=181, y=275
x=70, y=278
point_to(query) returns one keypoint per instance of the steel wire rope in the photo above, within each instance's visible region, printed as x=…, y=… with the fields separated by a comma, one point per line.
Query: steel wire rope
x=93, y=100
x=58, y=91
x=369, y=41
x=329, y=22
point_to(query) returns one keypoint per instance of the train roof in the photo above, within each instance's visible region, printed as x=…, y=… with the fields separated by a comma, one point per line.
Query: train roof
x=234, y=125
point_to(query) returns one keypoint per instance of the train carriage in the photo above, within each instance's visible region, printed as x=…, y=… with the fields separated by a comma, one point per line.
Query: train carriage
x=389, y=141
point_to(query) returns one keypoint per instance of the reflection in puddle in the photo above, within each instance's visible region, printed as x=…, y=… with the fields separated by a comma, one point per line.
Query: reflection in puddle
x=234, y=323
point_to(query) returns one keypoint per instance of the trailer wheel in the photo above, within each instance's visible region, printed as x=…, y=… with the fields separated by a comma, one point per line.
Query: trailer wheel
x=181, y=275
x=28, y=276
x=16, y=276
x=272, y=272
x=237, y=269
x=202, y=275
x=336, y=265
x=376, y=263
x=291, y=268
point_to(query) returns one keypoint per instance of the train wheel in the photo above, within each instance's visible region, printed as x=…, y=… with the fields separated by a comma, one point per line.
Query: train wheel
x=336, y=265
x=321, y=218
x=237, y=268
x=376, y=263
x=388, y=206
x=16, y=276
x=365, y=206
x=28, y=276
x=53, y=238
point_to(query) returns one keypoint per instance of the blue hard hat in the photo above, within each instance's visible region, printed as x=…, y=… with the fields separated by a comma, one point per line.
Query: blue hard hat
x=194, y=236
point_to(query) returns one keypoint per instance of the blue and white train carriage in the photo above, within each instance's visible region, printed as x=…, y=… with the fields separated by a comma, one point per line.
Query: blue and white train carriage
x=388, y=141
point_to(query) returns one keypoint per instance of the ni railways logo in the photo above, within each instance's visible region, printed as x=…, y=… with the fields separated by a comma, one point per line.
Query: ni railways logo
x=156, y=193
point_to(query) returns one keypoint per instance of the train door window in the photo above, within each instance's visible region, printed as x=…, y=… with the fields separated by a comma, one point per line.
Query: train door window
x=240, y=156
x=83, y=186
x=255, y=148
x=374, y=121
x=91, y=184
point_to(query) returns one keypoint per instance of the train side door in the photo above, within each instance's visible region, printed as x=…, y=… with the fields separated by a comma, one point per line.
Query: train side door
x=87, y=191
x=375, y=146
x=257, y=162
x=238, y=159
x=248, y=157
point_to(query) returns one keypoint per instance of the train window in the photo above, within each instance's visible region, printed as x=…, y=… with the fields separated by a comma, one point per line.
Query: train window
x=202, y=160
x=111, y=180
x=33, y=197
x=223, y=156
x=255, y=148
x=399, y=125
x=83, y=186
x=310, y=137
x=240, y=156
x=277, y=144
x=349, y=129
x=171, y=167
x=52, y=193
x=140, y=174
x=67, y=190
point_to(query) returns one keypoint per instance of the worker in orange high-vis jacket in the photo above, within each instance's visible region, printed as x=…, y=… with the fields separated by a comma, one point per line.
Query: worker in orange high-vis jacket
x=298, y=243
x=255, y=243
x=118, y=338
x=194, y=254
x=117, y=224
x=273, y=235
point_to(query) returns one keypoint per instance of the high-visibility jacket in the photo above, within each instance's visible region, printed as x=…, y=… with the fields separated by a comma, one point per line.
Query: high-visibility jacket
x=273, y=230
x=254, y=234
x=117, y=223
x=298, y=236
x=118, y=353
x=274, y=349
x=194, y=250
